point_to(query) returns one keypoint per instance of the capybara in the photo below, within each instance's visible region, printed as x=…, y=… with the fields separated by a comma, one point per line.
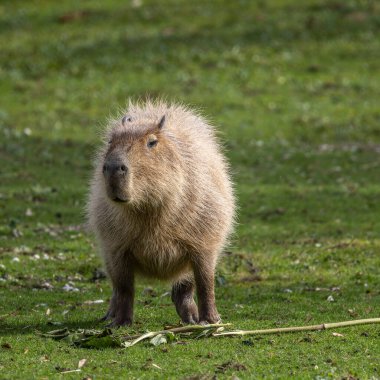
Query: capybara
x=161, y=205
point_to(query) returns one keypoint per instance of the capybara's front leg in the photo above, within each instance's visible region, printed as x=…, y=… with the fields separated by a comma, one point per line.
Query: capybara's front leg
x=120, y=310
x=121, y=307
x=204, y=271
x=182, y=296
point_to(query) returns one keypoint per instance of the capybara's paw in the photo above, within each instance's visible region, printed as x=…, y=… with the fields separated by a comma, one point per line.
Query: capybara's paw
x=111, y=312
x=107, y=316
x=210, y=318
x=191, y=319
x=189, y=313
x=123, y=315
x=119, y=322
x=120, y=312
x=187, y=309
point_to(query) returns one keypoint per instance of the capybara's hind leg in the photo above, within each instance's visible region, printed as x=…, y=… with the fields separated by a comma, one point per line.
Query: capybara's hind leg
x=182, y=296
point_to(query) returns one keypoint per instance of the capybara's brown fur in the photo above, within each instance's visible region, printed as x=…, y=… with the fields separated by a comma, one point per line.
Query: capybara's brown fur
x=161, y=205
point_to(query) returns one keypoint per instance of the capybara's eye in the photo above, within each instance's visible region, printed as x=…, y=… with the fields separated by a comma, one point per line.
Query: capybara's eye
x=152, y=141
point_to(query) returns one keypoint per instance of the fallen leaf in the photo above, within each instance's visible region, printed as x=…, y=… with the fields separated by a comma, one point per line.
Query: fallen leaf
x=70, y=288
x=70, y=371
x=93, y=302
x=28, y=212
x=81, y=363
x=158, y=339
x=45, y=285
x=54, y=323
x=56, y=334
x=352, y=312
x=337, y=334
x=44, y=358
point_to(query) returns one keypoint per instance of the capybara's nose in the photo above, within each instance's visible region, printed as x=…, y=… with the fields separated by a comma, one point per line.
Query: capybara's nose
x=115, y=168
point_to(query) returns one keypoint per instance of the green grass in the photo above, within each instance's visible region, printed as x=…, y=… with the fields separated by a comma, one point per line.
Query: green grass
x=293, y=86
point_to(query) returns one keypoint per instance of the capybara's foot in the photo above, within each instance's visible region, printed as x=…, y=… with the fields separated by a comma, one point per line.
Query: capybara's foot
x=120, y=322
x=110, y=312
x=210, y=318
x=107, y=316
x=182, y=296
x=188, y=312
x=120, y=311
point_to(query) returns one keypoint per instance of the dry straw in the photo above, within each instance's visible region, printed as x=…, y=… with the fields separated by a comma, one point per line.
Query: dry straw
x=323, y=326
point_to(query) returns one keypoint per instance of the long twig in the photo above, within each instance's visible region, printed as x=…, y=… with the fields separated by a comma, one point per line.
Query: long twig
x=323, y=326
x=178, y=330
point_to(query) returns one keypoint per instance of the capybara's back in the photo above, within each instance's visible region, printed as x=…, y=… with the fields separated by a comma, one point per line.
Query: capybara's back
x=161, y=205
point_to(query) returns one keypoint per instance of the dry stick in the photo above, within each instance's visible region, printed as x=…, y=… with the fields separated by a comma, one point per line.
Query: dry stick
x=131, y=340
x=323, y=326
x=176, y=330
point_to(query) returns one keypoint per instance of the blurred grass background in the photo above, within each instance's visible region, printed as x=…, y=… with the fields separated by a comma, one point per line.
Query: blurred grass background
x=294, y=87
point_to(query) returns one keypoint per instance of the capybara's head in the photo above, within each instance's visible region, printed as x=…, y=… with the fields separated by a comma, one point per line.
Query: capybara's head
x=138, y=162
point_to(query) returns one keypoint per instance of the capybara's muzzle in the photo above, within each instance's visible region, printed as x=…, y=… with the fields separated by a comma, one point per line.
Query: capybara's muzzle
x=116, y=176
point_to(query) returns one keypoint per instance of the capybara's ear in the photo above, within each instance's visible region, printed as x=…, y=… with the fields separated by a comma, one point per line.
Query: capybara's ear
x=125, y=119
x=161, y=123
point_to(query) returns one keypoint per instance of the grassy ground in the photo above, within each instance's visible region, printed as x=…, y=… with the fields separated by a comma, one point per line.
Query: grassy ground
x=295, y=88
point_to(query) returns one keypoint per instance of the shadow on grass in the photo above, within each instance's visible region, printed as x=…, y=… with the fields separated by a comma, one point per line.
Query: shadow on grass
x=8, y=329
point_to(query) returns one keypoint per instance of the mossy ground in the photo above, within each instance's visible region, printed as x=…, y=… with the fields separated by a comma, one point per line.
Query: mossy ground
x=293, y=86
